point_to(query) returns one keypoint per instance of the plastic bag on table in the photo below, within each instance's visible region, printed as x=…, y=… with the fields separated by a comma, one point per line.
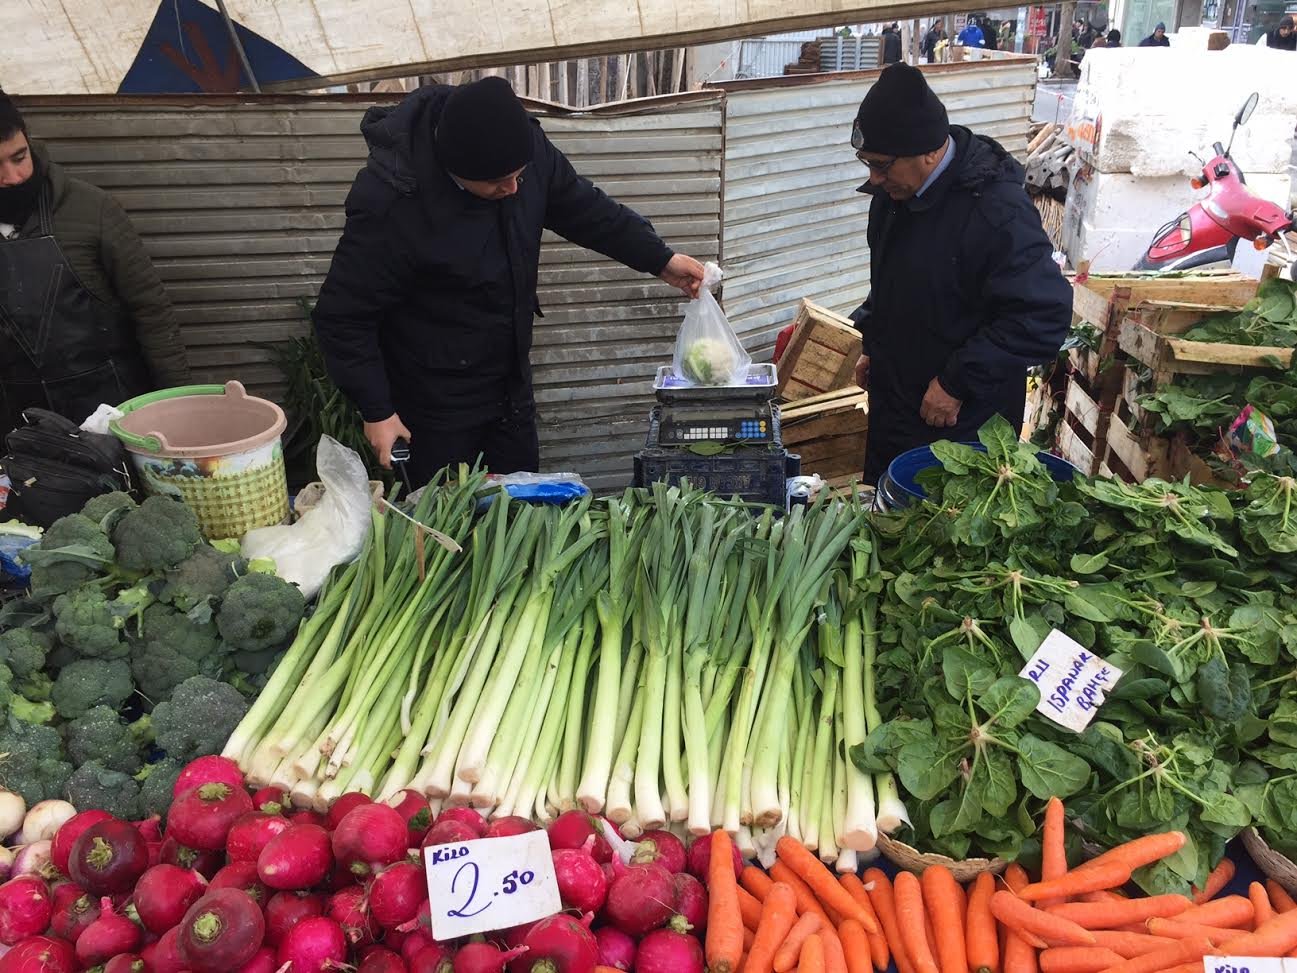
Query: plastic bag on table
x=707, y=350
x=331, y=533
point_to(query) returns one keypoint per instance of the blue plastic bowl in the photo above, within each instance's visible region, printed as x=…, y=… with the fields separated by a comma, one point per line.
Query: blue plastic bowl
x=902, y=489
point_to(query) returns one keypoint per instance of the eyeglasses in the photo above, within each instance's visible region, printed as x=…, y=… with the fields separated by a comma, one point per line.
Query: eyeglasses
x=858, y=143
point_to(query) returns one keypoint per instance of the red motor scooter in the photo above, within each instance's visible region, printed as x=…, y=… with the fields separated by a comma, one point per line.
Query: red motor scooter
x=1209, y=232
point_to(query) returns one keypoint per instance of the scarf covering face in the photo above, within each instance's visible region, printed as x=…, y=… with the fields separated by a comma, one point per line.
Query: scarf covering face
x=17, y=203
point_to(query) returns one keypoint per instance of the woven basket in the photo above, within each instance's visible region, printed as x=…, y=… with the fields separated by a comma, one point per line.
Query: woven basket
x=913, y=860
x=1272, y=864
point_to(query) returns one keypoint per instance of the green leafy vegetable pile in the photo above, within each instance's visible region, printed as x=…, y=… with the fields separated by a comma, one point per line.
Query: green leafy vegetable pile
x=1269, y=319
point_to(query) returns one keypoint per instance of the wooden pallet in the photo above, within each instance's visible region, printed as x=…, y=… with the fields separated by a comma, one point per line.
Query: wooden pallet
x=1148, y=335
x=828, y=432
x=821, y=355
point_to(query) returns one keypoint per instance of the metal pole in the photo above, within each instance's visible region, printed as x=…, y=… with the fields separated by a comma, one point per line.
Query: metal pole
x=238, y=46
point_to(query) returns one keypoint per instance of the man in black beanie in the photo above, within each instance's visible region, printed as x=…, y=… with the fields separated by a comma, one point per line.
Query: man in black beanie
x=965, y=294
x=425, y=318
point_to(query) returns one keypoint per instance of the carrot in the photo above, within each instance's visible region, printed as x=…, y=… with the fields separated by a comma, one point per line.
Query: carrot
x=1053, y=853
x=1092, y=878
x=1233, y=911
x=1273, y=938
x=982, y=945
x=941, y=899
x=1279, y=897
x=822, y=882
x=1220, y=877
x=1015, y=877
x=748, y=936
x=1104, y=895
x=1183, y=951
x=724, y=942
x=1141, y=851
x=778, y=916
x=912, y=919
x=881, y=897
x=1129, y=944
x=1077, y=959
x=750, y=908
x=805, y=927
x=1262, y=910
x=1179, y=929
x=856, y=944
x=811, y=956
x=1111, y=915
x=878, y=949
x=806, y=900
x=1185, y=968
x=1019, y=954
x=1024, y=918
x=835, y=957
x=756, y=882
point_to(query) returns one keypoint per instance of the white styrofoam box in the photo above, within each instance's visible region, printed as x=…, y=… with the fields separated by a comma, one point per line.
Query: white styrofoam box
x=1144, y=111
x=1110, y=218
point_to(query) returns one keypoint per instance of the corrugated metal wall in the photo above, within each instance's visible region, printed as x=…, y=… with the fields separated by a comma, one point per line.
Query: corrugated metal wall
x=241, y=207
x=794, y=226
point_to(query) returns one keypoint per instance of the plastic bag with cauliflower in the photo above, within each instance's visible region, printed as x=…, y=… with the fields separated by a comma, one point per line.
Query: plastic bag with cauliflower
x=707, y=351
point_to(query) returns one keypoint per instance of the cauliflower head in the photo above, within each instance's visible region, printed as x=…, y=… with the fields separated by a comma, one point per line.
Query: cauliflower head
x=708, y=361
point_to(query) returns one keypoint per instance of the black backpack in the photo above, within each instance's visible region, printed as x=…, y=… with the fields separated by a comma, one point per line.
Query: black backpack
x=54, y=467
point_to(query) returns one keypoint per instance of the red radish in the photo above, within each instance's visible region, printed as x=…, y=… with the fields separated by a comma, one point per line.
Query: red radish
x=40, y=954
x=466, y=816
x=616, y=949
x=700, y=856
x=271, y=800
x=581, y=882
x=313, y=946
x=380, y=959
x=308, y=817
x=164, y=894
x=208, y=770
x=205, y=863
x=370, y=837
x=515, y=935
x=262, y=962
x=343, y=806
x=416, y=941
x=25, y=909
x=74, y=910
x=242, y=875
x=641, y=899
x=150, y=829
x=396, y=893
x=508, y=827
x=414, y=808
x=125, y=963
x=559, y=944
x=350, y=910
x=107, y=936
x=296, y=859
x=252, y=832
x=164, y=955
x=571, y=829
x=669, y=950
x=287, y=909
x=449, y=833
x=484, y=958
x=434, y=958
x=69, y=832
x=691, y=901
x=661, y=847
x=393, y=939
x=202, y=816
x=221, y=931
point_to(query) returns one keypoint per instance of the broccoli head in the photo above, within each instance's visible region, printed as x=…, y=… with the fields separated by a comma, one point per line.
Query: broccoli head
x=23, y=650
x=194, y=584
x=101, y=508
x=156, y=536
x=172, y=649
x=73, y=551
x=31, y=761
x=99, y=735
x=159, y=781
x=88, y=683
x=259, y=612
x=198, y=719
x=84, y=621
x=94, y=786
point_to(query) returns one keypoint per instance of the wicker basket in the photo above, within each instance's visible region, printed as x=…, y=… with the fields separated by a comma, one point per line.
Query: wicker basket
x=1272, y=864
x=912, y=860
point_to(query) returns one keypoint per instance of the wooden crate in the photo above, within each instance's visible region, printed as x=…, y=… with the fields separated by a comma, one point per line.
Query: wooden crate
x=828, y=432
x=1095, y=299
x=821, y=355
x=1148, y=335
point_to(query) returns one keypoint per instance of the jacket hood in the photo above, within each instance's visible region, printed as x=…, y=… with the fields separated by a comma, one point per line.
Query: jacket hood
x=979, y=162
x=400, y=138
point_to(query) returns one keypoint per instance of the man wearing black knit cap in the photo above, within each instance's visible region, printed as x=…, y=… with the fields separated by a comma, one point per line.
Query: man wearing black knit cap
x=425, y=318
x=965, y=294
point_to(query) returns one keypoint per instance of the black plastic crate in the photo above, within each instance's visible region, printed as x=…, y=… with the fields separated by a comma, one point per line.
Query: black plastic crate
x=755, y=475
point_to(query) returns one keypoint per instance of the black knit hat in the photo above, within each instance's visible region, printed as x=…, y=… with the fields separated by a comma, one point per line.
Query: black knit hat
x=484, y=132
x=900, y=115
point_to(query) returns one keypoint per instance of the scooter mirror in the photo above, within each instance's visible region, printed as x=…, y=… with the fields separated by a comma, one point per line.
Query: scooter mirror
x=1246, y=111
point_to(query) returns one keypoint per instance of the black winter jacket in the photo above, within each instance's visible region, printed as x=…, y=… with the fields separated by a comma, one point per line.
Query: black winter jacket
x=428, y=305
x=964, y=289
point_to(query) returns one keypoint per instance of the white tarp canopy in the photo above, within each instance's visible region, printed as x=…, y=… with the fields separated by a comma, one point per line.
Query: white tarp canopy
x=149, y=46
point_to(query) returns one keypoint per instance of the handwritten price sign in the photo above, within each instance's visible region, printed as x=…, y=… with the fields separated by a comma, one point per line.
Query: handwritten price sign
x=489, y=884
x=1073, y=681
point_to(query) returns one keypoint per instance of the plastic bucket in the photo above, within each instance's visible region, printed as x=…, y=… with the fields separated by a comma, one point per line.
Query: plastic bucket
x=898, y=486
x=216, y=448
